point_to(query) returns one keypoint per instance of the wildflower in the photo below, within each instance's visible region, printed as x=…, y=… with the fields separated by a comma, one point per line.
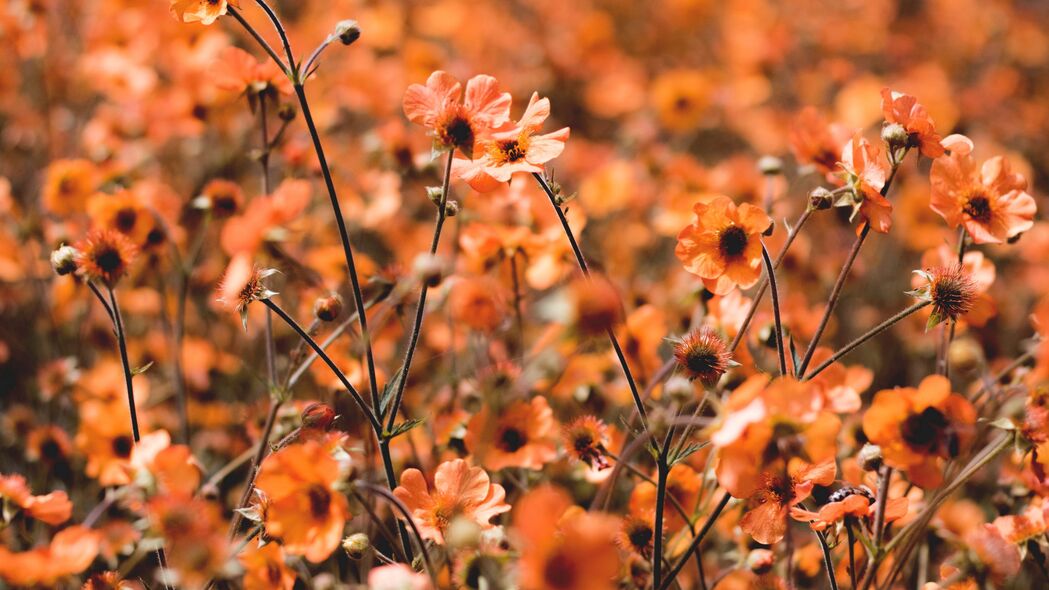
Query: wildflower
x=54, y=508
x=70, y=552
x=104, y=255
x=514, y=147
x=586, y=439
x=904, y=110
x=203, y=11
x=223, y=198
x=977, y=267
x=562, y=548
x=109, y=580
x=243, y=284
x=951, y=291
x=397, y=576
x=63, y=260
x=67, y=186
x=769, y=505
x=197, y=550
x=597, y=304
x=457, y=123
x=522, y=435
x=237, y=70
x=855, y=502
x=683, y=485
x=304, y=509
x=865, y=174
x=999, y=557
x=681, y=98
x=637, y=533
x=918, y=427
x=702, y=354
x=722, y=245
x=264, y=568
x=992, y=203
x=124, y=212
x=816, y=142
x=458, y=491
x=478, y=303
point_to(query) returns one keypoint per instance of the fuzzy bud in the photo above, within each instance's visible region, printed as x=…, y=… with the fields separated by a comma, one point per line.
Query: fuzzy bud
x=820, y=198
x=760, y=561
x=870, y=457
x=287, y=112
x=431, y=269
x=356, y=545
x=434, y=194
x=348, y=31
x=328, y=309
x=770, y=166
x=679, y=389
x=63, y=260
x=965, y=355
x=462, y=533
x=452, y=208
x=894, y=135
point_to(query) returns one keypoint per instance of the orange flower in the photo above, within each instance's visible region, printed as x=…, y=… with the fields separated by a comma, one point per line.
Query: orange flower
x=124, y=212
x=904, y=110
x=264, y=568
x=563, y=548
x=191, y=527
x=681, y=98
x=522, y=435
x=992, y=202
x=54, y=508
x=766, y=517
x=224, y=198
x=104, y=255
x=849, y=501
x=866, y=174
x=586, y=439
x=237, y=70
x=916, y=427
x=304, y=509
x=397, y=576
x=203, y=11
x=816, y=142
x=67, y=186
x=458, y=491
x=70, y=552
x=513, y=148
x=457, y=123
x=722, y=246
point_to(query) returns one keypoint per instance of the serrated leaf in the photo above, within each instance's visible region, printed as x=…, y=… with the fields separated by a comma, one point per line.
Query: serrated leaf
x=142, y=369
x=687, y=451
x=389, y=390
x=404, y=427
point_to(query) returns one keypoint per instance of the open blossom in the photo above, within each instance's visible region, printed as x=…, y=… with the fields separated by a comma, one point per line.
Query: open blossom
x=904, y=110
x=723, y=244
x=866, y=173
x=991, y=201
x=71, y=551
x=203, y=11
x=54, y=508
x=524, y=434
x=769, y=505
x=858, y=503
x=237, y=70
x=816, y=142
x=459, y=490
x=515, y=147
x=457, y=121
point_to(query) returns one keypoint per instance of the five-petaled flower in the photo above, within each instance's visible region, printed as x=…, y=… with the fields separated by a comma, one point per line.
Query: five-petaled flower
x=459, y=491
x=723, y=244
x=457, y=121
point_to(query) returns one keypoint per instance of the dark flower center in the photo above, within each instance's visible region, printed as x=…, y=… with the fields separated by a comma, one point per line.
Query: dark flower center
x=108, y=259
x=125, y=219
x=924, y=432
x=512, y=439
x=702, y=362
x=122, y=446
x=224, y=204
x=978, y=208
x=459, y=133
x=320, y=501
x=513, y=149
x=733, y=241
x=640, y=536
x=560, y=571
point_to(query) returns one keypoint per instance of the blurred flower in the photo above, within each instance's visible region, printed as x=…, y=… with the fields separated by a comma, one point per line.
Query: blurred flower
x=203, y=11
x=458, y=491
x=681, y=99
x=264, y=568
x=815, y=142
x=768, y=507
x=71, y=551
x=67, y=186
x=586, y=439
x=53, y=509
x=238, y=71
x=397, y=576
x=523, y=434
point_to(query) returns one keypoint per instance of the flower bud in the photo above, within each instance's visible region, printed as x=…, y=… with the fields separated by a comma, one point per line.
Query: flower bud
x=820, y=199
x=63, y=260
x=894, y=135
x=870, y=457
x=356, y=545
x=430, y=269
x=760, y=561
x=679, y=389
x=770, y=165
x=462, y=533
x=452, y=208
x=348, y=31
x=434, y=194
x=287, y=112
x=965, y=355
x=328, y=309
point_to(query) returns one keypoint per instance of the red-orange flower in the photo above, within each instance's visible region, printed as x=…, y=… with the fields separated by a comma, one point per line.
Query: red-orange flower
x=304, y=510
x=524, y=434
x=766, y=518
x=917, y=427
x=237, y=70
x=904, y=110
x=991, y=202
x=457, y=122
x=458, y=491
x=816, y=142
x=54, y=508
x=722, y=245
x=104, y=255
x=866, y=173
x=848, y=501
x=71, y=551
x=264, y=568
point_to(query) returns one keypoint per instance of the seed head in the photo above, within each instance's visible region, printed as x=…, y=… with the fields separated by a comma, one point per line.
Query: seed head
x=585, y=440
x=951, y=291
x=702, y=355
x=63, y=260
x=242, y=285
x=104, y=255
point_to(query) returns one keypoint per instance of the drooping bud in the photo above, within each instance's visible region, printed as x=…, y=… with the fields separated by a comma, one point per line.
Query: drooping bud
x=328, y=309
x=820, y=199
x=356, y=545
x=63, y=260
x=348, y=31
x=870, y=457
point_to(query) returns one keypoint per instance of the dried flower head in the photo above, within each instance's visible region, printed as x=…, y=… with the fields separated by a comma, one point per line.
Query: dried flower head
x=63, y=260
x=242, y=285
x=104, y=255
x=328, y=308
x=585, y=439
x=951, y=290
x=703, y=355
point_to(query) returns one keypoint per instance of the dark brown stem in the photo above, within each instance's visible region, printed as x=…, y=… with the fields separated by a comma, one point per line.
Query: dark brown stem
x=258, y=38
x=771, y=272
x=694, y=545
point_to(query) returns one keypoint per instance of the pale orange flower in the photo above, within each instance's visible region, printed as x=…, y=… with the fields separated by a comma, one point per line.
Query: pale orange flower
x=54, y=508
x=459, y=491
x=524, y=434
x=203, y=11
x=457, y=122
x=866, y=173
x=765, y=519
x=905, y=110
x=723, y=244
x=304, y=510
x=67, y=186
x=991, y=202
x=264, y=568
x=816, y=142
x=70, y=552
x=237, y=70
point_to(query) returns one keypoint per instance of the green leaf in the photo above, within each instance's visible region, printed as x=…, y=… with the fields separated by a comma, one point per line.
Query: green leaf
x=389, y=390
x=404, y=427
x=142, y=369
x=687, y=451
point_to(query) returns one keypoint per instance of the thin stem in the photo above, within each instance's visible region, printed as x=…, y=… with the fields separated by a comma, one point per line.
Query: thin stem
x=376, y=426
x=694, y=545
x=118, y=322
x=765, y=282
x=101, y=299
x=827, y=561
x=347, y=249
x=256, y=462
x=406, y=516
x=870, y=334
x=835, y=293
x=420, y=308
x=283, y=35
x=771, y=272
x=852, y=551
x=258, y=38
x=657, y=543
x=883, y=500
x=383, y=529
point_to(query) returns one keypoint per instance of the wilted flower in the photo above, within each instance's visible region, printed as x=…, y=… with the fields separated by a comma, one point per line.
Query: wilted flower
x=243, y=284
x=702, y=355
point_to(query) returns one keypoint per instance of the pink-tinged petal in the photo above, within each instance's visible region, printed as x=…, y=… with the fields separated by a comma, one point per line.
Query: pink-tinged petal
x=413, y=491
x=536, y=113
x=1018, y=210
x=543, y=148
x=420, y=105
x=474, y=174
x=484, y=100
x=956, y=143
x=444, y=86
x=996, y=174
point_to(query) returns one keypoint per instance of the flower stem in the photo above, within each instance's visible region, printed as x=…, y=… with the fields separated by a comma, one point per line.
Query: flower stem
x=258, y=38
x=865, y=337
x=827, y=561
x=662, y=471
x=694, y=545
x=771, y=272
x=406, y=517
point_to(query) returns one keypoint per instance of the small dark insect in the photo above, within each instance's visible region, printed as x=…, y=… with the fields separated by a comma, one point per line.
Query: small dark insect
x=843, y=493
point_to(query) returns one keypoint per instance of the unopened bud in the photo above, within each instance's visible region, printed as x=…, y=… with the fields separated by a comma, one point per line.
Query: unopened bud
x=679, y=389
x=760, y=561
x=63, y=260
x=894, y=135
x=965, y=355
x=434, y=194
x=870, y=457
x=356, y=545
x=286, y=112
x=462, y=533
x=820, y=198
x=430, y=269
x=348, y=31
x=328, y=309
x=770, y=165
x=451, y=208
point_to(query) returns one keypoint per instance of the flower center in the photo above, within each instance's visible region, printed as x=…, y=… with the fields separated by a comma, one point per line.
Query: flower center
x=108, y=259
x=320, y=500
x=560, y=571
x=510, y=150
x=125, y=219
x=122, y=446
x=640, y=536
x=457, y=132
x=732, y=242
x=923, y=432
x=512, y=439
x=978, y=207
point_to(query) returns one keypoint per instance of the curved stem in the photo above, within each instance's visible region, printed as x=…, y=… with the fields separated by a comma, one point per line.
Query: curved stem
x=827, y=561
x=407, y=517
x=118, y=323
x=258, y=38
x=694, y=545
x=771, y=272
x=282, y=33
